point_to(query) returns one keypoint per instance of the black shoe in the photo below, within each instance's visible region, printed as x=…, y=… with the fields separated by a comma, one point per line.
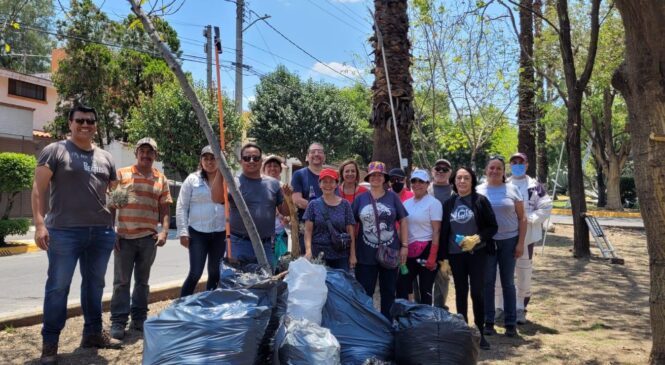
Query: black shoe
x=100, y=340
x=489, y=329
x=49, y=353
x=511, y=331
x=136, y=325
x=484, y=345
x=118, y=331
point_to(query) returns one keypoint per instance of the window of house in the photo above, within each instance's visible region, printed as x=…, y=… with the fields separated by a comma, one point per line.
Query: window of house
x=27, y=90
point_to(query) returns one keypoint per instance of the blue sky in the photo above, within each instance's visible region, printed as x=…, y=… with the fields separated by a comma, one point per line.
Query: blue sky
x=333, y=31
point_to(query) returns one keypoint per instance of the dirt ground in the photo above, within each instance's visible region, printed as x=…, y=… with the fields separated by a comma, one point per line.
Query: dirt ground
x=582, y=312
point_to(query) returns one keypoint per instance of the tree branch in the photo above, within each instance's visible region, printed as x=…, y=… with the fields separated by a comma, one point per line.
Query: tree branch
x=593, y=44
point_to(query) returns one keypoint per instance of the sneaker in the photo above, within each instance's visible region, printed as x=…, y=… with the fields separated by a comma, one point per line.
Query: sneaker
x=484, y=345
x=498, y=315
x=489, y=329
x=521, y=316
x=100, y=340
x=118, y=331
x=49, y=353
x=511, y=331
x=136, y=325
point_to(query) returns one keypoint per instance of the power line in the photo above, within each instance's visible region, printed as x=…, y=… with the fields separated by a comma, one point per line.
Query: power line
x=335, y=16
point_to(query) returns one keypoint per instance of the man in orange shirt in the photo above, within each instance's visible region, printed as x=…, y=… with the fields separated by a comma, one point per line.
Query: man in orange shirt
x=138, y=239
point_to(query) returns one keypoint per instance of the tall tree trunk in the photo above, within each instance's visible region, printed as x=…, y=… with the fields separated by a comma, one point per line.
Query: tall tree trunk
x=600, y=181
x=526, y=114
x=613, y=174
x=576, y=176
x=392, y=22
x=541, y=138
x=575, y=88
x=641, y=81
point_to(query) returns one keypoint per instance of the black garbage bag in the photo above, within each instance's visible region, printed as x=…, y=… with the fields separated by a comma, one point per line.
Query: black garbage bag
x=222, y=327
x=431, y=335
x=253, y=277
x=362, y=331
x=302, y=342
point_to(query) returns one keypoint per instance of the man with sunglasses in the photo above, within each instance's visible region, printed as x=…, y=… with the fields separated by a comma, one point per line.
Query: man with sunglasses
x=77, y=229
x=441, y=190
x=263, y=196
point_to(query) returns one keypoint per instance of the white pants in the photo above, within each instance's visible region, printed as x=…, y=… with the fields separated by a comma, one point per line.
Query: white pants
x=523, y=271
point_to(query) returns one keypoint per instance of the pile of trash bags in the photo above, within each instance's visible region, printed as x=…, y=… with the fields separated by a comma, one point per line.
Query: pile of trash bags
x=313, y=316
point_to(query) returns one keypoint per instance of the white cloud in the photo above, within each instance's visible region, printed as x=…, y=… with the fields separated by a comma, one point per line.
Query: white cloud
x=339, y=67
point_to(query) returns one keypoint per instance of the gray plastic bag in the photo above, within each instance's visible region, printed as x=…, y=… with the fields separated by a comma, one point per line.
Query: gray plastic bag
x=302, y=342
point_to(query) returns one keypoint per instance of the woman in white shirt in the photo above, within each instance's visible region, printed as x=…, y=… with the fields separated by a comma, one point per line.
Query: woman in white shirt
x=201, y=224
x=424, y=221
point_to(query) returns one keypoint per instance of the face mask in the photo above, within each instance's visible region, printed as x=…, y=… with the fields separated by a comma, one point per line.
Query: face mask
x=398, y=186
x=518, y=170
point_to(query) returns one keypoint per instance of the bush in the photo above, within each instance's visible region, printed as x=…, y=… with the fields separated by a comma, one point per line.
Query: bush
x=17, y=171
x=13, y=226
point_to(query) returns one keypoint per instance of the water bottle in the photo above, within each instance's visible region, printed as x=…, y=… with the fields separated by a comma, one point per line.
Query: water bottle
x=312, y=194
x=459, y=238
x=403, y=269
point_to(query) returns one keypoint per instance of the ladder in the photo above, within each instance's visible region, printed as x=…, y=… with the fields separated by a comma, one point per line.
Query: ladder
x=604, y=245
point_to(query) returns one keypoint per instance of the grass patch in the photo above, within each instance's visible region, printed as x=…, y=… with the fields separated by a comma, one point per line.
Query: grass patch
x=9, y=329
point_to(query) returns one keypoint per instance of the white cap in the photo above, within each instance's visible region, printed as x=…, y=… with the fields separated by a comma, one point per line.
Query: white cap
x=421, y=175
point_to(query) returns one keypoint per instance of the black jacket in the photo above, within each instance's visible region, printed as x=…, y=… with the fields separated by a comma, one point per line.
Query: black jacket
x=485, y=220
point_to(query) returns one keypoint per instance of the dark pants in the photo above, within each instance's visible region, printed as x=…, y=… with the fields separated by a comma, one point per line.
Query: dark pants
x=137, y=256
x=201, y=246
x=425, y=280
x=367, y=276
x=91, y=247
x=505, y=259
x=342, y=263
x=468, y=269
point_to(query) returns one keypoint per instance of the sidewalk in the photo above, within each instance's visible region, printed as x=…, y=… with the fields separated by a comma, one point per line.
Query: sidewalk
x=633, y=223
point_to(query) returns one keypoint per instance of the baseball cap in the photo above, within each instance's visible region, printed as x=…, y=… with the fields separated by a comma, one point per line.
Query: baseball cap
x=420, y=174
x=520, y=155
x=328, y=173
x=397, y=172
x=207, y=149
x=146, y=140
x=443, y=161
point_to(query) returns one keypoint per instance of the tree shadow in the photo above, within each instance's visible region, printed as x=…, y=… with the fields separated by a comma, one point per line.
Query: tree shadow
x=78, y=356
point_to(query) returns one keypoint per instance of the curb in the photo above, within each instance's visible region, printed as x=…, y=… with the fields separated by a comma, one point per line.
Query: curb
x=17, y=247
x=35, y=316
x=599, y=213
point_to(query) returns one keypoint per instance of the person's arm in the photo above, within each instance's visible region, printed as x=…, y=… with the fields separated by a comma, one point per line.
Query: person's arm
x=217, y=188
x=297, y=184
x=434, y=250
x=164, y=210
x=404, y=237
x=309, y=228
x=543, y=207
x=43, y=176
x=182, y=211
x=521, y=219
x=352, y=252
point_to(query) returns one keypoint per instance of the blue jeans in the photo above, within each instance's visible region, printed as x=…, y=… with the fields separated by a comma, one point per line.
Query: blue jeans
x=201, y=245
x=135, y=255
x=505, y=258
x=91, y=247
x=367, y=275
x=242, y=250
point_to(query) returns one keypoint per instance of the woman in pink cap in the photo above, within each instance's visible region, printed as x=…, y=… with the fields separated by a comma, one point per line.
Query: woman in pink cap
x=329, y=225
x=377, y=211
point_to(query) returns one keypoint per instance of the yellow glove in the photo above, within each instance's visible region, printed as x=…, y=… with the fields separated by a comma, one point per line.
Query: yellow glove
x=444, y=268
x=469, y=242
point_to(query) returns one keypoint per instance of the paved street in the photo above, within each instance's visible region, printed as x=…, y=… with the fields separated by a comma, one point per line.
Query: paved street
x=22, y=277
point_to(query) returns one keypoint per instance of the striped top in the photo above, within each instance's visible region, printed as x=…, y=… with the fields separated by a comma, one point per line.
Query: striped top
x=140, y=217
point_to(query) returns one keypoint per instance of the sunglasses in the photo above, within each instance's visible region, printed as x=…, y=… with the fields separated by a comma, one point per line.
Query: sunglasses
x=86, y=121
x=441, y=169
x=255, y=158
x=497, y=157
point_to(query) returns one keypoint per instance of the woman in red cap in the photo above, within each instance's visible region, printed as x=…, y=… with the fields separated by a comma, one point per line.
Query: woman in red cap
x=329, y=225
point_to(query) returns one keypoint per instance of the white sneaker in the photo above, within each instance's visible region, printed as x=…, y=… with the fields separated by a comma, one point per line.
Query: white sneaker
x=521, y=316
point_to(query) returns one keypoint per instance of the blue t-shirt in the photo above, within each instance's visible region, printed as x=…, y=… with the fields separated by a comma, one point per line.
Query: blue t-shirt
x=306, y=182
x=462, y=221
x=503, y=199
x=390, y=210
x=340, y=216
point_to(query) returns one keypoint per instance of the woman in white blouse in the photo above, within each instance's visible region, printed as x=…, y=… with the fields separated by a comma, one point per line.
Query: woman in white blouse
x=201, y=224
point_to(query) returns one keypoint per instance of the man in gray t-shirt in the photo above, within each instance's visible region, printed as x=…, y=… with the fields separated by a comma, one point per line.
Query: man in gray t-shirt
x=262, y=194
x=78, y=228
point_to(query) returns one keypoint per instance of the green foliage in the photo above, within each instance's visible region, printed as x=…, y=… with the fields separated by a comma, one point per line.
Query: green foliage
x=288, y=115
x=16, y=39
x=168, y=117
x=12, y=227
x=359, y=98
x=17, y=171
x=112, y=80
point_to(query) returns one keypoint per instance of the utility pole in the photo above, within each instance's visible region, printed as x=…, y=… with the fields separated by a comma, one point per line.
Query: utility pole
x=240, y=12
x=207, y=33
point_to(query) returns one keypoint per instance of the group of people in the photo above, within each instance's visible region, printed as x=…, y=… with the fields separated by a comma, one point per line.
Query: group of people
x=410, y=241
